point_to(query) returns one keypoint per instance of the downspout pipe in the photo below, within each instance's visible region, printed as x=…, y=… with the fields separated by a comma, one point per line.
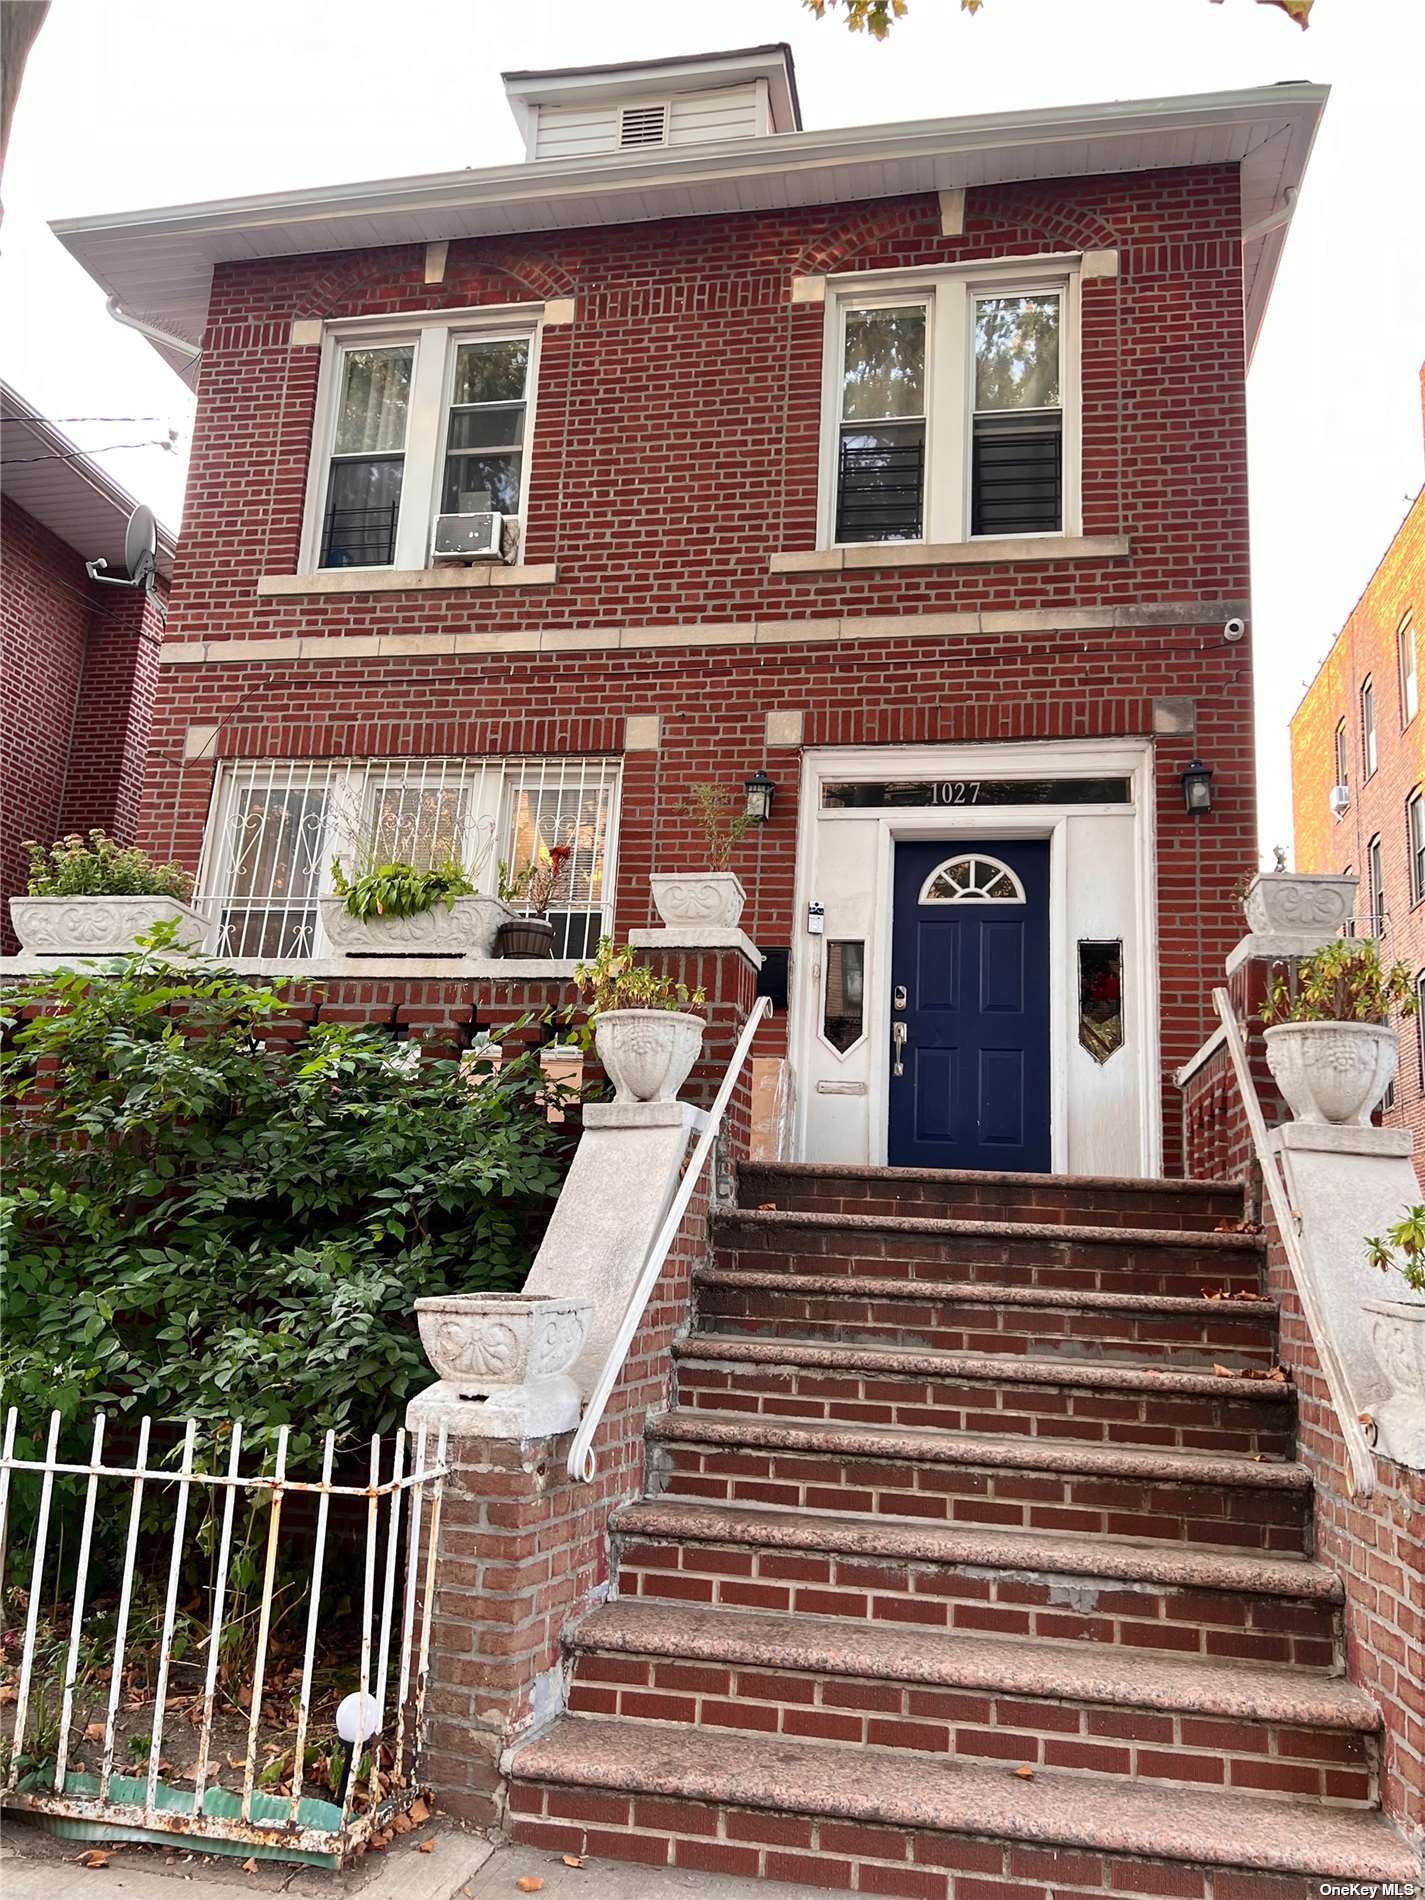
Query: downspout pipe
x=165, y=338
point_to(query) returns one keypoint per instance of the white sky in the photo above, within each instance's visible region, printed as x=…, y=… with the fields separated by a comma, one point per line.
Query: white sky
x=131, y=103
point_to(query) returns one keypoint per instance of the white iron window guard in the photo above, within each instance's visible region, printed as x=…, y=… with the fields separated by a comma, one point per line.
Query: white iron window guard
x=392, y=1690
x=1361, y=1476
x=581, y=1465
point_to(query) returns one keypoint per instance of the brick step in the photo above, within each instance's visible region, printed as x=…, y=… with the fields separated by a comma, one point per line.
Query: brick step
x=999, y=1253
x=965, y=1316
x=960, y=1478
x=1051, y=1705
x=788, y=1810
x=1093, y=1590
x=1089, y=1403
x=1112, y=1201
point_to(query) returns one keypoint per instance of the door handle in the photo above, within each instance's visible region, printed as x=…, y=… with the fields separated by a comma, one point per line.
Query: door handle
x=898, y=1033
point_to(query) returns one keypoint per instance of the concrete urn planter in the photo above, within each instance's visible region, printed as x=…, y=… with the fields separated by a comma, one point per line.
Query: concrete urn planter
x=1280, y=902
x=710, y=899
x=1332, y=1072
x=1397, y=1330
x=508, y=1354
x=465, y=928
x=647, y=1052
x=99, y=926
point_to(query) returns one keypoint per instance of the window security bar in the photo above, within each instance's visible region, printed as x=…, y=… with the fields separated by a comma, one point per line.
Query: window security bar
x=360, y=537
x=880, y=491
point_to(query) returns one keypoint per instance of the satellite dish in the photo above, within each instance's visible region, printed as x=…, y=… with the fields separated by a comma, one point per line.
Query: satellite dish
x=141, y=544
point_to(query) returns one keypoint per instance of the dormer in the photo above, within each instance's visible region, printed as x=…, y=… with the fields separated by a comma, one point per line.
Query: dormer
x=582, y=112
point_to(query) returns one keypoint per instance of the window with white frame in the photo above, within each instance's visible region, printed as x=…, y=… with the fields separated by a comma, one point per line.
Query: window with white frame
x=275, y=829
x=1409, y=665
x=952, y=406
x=1375, y=888
x=417, y=417
x=1343, y=772
x=1368, y=728
x=1415, y=844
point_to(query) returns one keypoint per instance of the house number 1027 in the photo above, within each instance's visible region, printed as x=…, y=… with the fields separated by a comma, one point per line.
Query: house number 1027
x=962, y=791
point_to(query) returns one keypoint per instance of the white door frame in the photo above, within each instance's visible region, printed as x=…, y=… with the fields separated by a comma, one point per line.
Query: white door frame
x=982, y=824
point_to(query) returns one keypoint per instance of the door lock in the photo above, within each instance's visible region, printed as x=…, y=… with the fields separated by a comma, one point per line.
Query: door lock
x=898, y=1047
x=898, y=1000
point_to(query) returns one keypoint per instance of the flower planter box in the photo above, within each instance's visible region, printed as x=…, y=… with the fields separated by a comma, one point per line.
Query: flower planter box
x=1332, y=1072
x=525, y=937
x=464, y=928
x=714, y=899
x=1279, y=902
x=1397, y=1329
x=99, y=926
x=485, y=1343
x=647, y=1053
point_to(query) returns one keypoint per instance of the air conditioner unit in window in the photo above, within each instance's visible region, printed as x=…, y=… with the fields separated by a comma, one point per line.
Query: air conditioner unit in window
x=1339, y=800
x=472, y=537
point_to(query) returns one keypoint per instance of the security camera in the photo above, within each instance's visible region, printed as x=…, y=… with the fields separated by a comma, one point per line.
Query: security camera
x=1234, y=629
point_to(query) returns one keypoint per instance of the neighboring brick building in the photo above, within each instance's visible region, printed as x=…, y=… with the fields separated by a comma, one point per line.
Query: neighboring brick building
x=971, y=590
x=1360, y=727
x=80, y=658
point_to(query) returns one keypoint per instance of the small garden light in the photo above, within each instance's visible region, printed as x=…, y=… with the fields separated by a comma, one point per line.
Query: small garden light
x=1197, y=787
x=358, y=1717
x=759, y=789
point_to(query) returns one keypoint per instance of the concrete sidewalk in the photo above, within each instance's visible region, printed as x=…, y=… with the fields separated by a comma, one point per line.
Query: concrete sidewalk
x=459, y=1866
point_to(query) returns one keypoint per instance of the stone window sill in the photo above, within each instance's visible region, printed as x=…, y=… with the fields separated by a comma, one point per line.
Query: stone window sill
x=1066, y=547
x=418, y=580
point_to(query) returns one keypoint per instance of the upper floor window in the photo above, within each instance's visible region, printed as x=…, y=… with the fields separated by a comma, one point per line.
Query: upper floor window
x=1415, y=844
x=1408, y=661
x=417, y=417
x=1377, y=919
x=1368, y=729
x=1343, y=773
x=952, y=407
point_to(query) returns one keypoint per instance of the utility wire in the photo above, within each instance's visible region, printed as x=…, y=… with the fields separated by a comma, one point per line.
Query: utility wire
x=70, y=455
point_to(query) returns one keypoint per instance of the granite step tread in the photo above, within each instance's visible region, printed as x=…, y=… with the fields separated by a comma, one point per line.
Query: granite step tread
x=1110, y=1560
x=685, y=1426
x=1006, y=1368
x=981, y=1293
x=1059, y=1232
x=799, y=1778
x=1061, y=1671
x=969, y=1177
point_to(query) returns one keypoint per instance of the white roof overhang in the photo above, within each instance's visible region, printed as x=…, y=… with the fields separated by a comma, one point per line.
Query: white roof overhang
x=159, y=264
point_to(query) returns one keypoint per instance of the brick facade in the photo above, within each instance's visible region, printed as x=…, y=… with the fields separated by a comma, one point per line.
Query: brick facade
x=675, y=450
x=81, y=671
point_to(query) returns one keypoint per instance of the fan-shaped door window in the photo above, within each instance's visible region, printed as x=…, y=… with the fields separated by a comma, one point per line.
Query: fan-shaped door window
x=972, y=878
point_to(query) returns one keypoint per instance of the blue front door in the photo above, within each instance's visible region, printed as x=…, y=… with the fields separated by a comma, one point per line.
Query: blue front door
x=970, y=1007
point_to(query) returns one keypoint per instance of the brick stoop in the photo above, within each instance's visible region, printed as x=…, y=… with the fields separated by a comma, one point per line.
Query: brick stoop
x=972, y=1567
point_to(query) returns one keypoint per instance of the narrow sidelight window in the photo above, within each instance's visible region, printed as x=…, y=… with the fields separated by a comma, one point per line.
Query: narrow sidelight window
x=843, y=1011
x=880, y=478
x=1018, y=449
x=484, y=456
x=1415, y=845
x=1409, y=671
x=1375, y=887
x=1368, y=728
x=363, y=502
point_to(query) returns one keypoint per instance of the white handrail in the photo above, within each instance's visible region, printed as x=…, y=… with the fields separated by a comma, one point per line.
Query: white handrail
x=581, y=1455
x=1361, y=1477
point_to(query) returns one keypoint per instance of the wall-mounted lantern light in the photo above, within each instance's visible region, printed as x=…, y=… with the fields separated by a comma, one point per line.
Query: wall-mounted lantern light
x=1197, y=787
x=759, y=789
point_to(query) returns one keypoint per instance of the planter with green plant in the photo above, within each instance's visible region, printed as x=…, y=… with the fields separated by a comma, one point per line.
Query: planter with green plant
x=644, y=1030
x=531, y=892
x=711, y=899
x=96, y=896
x=1397, y=1328
x=1332, y=1047
x=400, y=910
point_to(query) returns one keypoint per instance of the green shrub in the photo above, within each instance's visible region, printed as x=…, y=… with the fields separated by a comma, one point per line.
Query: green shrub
x=400, y=890
x=1343, y=982
x=102, y=868
x=1402, y=1249
x=209, y=1216
x=617, y=980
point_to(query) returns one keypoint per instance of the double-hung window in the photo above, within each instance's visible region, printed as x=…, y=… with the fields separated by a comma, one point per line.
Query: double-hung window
x=952, y=406
x=275, y=829
x=1368, y=729
x=417, y=417
x=1415, y=845
x=1375, y=887
x=1408, y=662
x=1343, y=773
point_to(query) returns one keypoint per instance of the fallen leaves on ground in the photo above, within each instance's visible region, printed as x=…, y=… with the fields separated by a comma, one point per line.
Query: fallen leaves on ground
x=1221, y=1293
x=1268, y=1375
x=250, y=1866
x=573, y=1860
x=1024, y=1772
x=97, y=1857
x=426, y=1847
x=418, y=1811
x=529, y=1883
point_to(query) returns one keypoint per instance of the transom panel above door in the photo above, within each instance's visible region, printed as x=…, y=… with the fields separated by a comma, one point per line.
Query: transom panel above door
x=969, y=1044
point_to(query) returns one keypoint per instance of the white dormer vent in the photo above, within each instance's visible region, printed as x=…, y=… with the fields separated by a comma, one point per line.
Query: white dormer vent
x=643, y=125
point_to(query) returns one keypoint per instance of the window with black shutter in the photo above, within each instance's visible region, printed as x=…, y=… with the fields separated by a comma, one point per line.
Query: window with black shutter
x=1017, y=459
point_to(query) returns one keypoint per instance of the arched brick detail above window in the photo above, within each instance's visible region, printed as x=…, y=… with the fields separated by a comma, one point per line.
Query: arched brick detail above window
x=1009, y=208
x=876, y=225
x=476, y=272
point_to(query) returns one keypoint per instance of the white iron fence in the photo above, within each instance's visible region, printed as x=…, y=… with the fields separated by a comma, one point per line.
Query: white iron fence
x=270, y=1632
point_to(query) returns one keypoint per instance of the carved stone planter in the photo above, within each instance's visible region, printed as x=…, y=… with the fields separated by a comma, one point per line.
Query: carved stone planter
x=465, y=928
x=99, y=926
x=1332, y=1072
x=1285, y=901
x=1397, y=1329
x=508, y=1353
x=711, y=898
x=647, y=1052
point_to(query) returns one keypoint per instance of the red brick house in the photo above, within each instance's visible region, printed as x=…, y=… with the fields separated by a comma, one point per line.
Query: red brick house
x=1358, y=781
x=906, y=464
x=80, y=658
